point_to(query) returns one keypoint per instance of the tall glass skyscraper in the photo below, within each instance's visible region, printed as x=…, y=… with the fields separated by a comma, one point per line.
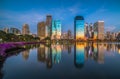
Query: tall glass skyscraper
x=79, y=27
x=56, y=29
x=48, y=25
x=99, y=30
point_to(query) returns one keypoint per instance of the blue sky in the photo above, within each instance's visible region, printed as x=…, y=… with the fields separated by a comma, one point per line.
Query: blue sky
x=14, y=13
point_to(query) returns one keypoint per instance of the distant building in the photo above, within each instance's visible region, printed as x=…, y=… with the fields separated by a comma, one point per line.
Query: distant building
x=56, y=29
x=64, y=36
x=86, y=31
x=41, y=30
x=6, y=30
x=34, y=35
x=99, y=30
x=48, y=25
x=108, y=35
x=15, y=31
x=25, y=29
x=113, y=35
x=69, y=34
x=79, y=27
x=91, y=31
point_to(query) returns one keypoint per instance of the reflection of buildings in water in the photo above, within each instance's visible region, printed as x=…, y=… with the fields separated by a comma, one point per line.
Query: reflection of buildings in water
x=56, y=53
x=25, y=54
x=95, y=53
x=69, y=49
x=108, y=47
x=118, y=48
x=44, y=54
x=86, y=51
x=48, y=53
x=111, y=49
x=65, y=47
x=79, y=55
x=91, y=51
x=101, y=54
x=41, y=53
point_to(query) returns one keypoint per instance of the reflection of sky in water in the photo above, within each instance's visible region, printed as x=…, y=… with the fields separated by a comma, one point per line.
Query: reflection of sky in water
x=102, y=63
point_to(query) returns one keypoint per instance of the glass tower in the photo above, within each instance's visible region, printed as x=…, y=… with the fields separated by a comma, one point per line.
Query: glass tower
x=79, y=27
x=56, y=29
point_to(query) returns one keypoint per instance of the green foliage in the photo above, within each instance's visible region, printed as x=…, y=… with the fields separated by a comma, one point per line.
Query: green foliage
x=47, y=38
x=9, y=37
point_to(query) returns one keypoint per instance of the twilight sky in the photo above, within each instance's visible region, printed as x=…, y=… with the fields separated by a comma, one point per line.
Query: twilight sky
x=14, y=13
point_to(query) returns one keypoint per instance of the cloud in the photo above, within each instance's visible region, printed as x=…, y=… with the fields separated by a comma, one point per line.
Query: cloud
x=17, y=19
x=110, y=28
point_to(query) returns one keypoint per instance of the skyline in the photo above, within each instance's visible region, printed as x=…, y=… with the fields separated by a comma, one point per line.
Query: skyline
x=16, y=13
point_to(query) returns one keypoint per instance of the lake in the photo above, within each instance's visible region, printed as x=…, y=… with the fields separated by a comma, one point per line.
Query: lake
x=74, y=61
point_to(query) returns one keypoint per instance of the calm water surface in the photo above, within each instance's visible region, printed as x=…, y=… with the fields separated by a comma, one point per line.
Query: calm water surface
x=79, y=61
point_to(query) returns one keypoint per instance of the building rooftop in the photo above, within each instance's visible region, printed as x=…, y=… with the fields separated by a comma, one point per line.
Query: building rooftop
x=79, y=18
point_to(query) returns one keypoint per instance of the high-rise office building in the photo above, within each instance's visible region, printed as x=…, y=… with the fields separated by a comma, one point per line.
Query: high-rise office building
x=56, y=29
x=25, y=29
x=99, y=30
x=48, y=25
x=79, y=27
x=91, y=31
x=86, y=31
x=41, y=30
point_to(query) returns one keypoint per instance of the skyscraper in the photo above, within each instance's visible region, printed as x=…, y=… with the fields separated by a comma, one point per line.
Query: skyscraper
x=99, y=30
x=86, y=31
x=79, y=27
x=56, y=29
x=41, y=30
x=48, y=25
x=25, y=29
x=91, y=31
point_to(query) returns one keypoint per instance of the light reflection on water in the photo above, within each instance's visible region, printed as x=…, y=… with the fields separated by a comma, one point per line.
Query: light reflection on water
x=80, y=60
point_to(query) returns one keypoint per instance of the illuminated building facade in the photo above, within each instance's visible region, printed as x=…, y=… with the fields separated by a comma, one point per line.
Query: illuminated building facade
x=25, y=29
x=86, y=31
x=56, y=29
x=79, y=27
x=48, y=25
x=99, y=30
x=41, y=30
